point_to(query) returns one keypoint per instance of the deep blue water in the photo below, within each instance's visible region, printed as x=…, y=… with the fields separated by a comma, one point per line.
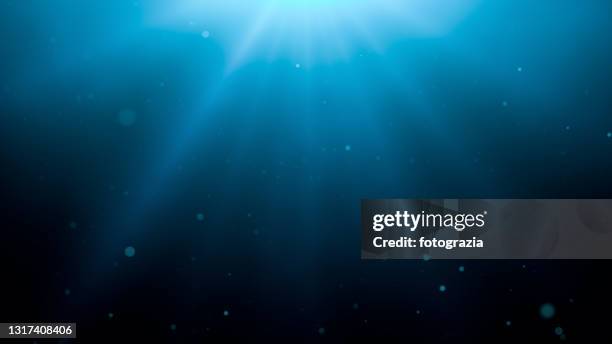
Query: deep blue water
x=234, y=163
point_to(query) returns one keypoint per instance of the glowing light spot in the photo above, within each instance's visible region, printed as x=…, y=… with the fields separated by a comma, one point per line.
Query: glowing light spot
x=173, y=327
x=609, y=134
x=298, y=66
x=461, y=268
x=508, y=323
x=200, y=217
x=347, y=148
x=67, y=292
x=442, y=288
x=126, y=117
x=355, y=306
x=335, y=28
x=547, y=311
x=111, y=315
x=426, y=257
x=322, y=330
x=226, y=313
x=558, y=331
x=129, y=251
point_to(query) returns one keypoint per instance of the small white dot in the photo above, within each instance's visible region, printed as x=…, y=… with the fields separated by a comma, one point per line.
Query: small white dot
x=298, y=66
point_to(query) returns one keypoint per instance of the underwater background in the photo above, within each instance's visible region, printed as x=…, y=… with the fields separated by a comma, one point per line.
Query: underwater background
x=188, y=170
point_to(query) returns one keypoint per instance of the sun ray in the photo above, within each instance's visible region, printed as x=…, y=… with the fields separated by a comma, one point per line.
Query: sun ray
x=249, y=39
x=315, y=31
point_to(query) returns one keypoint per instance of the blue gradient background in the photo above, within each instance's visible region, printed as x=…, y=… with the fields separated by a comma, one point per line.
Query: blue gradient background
x=118, y=128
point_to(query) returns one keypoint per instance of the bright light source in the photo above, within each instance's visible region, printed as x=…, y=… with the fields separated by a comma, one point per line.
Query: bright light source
x=310, y=31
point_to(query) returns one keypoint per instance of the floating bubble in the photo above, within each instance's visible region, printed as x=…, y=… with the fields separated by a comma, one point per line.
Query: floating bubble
x=126, y=117
x=129, y=251
x=547, y=311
